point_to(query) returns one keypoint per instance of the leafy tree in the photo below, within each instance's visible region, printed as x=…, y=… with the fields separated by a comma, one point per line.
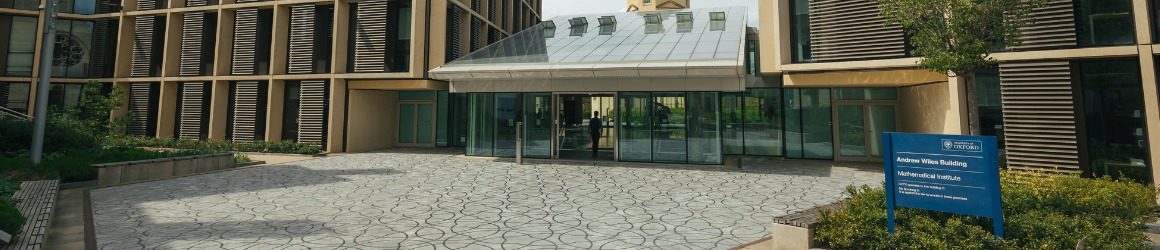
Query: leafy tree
x=956, y=37
x=97, y=109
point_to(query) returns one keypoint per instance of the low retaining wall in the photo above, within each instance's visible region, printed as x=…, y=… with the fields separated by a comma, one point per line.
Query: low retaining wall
x=130, y=171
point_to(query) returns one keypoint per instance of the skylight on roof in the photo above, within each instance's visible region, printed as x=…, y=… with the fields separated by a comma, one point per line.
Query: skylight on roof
x=716, y=16
x=652, y=19
x=606, y=20
x=684, y=17
x=549, y=24
x=579, y=22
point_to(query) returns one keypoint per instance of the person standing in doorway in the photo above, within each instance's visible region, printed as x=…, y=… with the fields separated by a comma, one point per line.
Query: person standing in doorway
x=594, y=129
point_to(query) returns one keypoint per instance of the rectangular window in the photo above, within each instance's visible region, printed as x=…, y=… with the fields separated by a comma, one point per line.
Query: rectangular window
x=481, y=124
x=65, y=95
x=208, y=43
x=732, y=122
x=990, y=104
x=17, y=96
x=290, y=106
x=507, y=113
x=704, y=122
x=800, y=31
x=668, y=130
x=537, y=125
x=1113, y=107
x=20, y=51
x=809, y=126
x=763, y=122
x=635, y=128
x=1104, y=22
x=23, y=4
x=265, y=29
x=323, y=37
x=71, y=55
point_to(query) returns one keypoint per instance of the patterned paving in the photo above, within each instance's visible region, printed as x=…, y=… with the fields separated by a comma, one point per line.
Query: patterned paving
x=429, y=199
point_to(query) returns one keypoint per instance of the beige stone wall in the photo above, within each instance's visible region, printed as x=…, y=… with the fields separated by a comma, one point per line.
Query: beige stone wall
x=929, y=109
x=640, y=5
x=373, y=120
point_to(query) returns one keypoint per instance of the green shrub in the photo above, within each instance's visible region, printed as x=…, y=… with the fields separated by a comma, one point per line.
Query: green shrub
x=75, y=164
x=10, y=219
x=285, y=147
x=242, y=158
x=1041, y=212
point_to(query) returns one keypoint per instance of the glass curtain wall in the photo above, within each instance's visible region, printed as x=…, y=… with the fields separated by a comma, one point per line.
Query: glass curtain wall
x=732, y=123
x=809, y=131
x=480, y=124
x=1113, y=103
x=20, y=51
x=990, y=104
x=458, y=120
x=763, y=122
x=1104, y=22
x=537, y=125
x=442, y=110
x=635, y=127
x=71, y=53
x=669, y=127
x=800, y=33
x=704, y=126
x=291, y=103
x=507, y=111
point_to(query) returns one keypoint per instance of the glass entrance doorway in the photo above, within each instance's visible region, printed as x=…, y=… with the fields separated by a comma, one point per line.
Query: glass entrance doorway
x=859, y=129
x=577, y=116
x=416, y=124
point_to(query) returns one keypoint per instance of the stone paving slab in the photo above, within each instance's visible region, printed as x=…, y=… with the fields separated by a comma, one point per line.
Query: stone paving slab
x=428, y=199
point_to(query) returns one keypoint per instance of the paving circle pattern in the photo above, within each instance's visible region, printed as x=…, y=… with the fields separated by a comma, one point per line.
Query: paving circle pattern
x=429, y=199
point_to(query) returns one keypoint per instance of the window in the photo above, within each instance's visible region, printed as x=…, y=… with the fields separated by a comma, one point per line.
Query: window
x=20, y=51
x=290, y=111
x=647, y=1
x=65, y=95
x=88, y=7
x=1104, y=22
x=17, y=98
x=808, y=124
x=70, y=56
x=1113, y=110
x=990, y=104
x=800, y=31
x=21, y=4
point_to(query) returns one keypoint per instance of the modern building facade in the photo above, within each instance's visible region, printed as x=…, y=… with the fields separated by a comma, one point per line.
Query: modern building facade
x=350, y=75
x=1078, y=95
x=649, y=5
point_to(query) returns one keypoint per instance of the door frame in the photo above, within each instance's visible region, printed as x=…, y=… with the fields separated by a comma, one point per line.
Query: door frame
x=865, y=122
x=398, y=119
x=615, y=137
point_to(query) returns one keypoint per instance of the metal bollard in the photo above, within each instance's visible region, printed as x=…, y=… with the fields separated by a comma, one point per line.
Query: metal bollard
x=519, y=143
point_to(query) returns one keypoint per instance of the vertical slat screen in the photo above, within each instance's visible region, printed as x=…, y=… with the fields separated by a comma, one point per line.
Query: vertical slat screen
x=493, y=35
x=301, y=54
x=518, y=17
x=493, y=13
x=139, y=100
x=249, y=111
x=1039, y=116
x=191, y=38
x=371, y=38
x=245, y=42
x=312, y=110
x=1054, y=28
x=99, y=51
x=193, y=96
x=507, y=15
x=454, y=18
x=142, y=46
x=843, y=30
x=476, y=34
x=4, y=95
x=477, y=6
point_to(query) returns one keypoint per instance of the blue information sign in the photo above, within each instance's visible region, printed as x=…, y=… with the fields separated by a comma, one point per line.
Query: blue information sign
x=949, y=173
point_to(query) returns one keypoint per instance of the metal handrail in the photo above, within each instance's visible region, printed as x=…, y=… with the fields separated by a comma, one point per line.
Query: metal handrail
x=15, y=114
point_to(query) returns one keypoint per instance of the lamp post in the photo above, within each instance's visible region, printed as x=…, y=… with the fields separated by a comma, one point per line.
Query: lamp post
x=46, y=47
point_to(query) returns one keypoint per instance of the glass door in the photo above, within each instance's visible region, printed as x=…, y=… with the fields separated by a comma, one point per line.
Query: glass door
x=416, y=124
x=859, y=130
x=579, y=117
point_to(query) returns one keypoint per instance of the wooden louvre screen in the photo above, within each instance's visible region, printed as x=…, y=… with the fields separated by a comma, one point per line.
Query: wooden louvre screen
x=454, y=18
x=142, y=46
x=1054, y=27
x=193, y=109
x=301, y=54
x=249, y=111
x=191, y=43
x=147, y=4
x=313, y=107
x=245, y=42
x=1039, y=116
x=493, y=35
x=195, y=3
x=139, y=102
x=844, y=30
x=99, y=50
x=370, y=53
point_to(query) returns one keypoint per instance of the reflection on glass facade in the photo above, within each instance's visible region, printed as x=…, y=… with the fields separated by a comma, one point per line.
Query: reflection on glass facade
x=669, y=123
x=480, y=124
x=20, y=51
x=70, y=57
x=800, y=31
x=1113, y=103
x=704, y=126
x=732, y=124
x=809, y=131
x=635, y=127
x=290, y=103
x=990, y=104
x=65, y=95
x=507, y=112
x=1104, y=22
x=537, y=125
x=442, y=106
x=763, y=122
x=18, y=94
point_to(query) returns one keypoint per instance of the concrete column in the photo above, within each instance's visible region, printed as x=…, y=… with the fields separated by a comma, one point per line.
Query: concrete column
x=219, y=100
x=337, y=123
x=125, y=30
x=1143, y=24
x=419, y=44
x=438, y=42
x=1151, y=108
x=341, y=31
x=958, y=106
x=280, y=48
x=167, y=109
x=225, y=42
x=171, y=55
x=277, y=100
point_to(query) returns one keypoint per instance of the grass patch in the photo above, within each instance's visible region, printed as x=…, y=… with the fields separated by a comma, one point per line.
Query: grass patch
x=10, y=218
x=283, y=147
x=74, y=165
x=1052, y=212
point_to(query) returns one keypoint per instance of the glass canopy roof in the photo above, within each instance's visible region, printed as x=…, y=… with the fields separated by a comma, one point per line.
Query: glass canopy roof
x=625, y=37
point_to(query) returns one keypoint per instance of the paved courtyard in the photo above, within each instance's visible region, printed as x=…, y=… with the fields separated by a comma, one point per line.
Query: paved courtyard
x=430, y=199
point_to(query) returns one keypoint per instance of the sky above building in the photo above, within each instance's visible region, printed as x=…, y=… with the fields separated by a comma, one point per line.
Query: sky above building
x=553, y=8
